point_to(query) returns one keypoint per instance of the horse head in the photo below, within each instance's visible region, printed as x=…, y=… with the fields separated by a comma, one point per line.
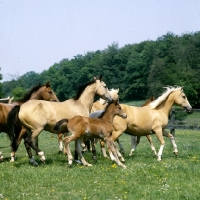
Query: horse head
x=48, y=94
x=102, y=90
x=181, y=99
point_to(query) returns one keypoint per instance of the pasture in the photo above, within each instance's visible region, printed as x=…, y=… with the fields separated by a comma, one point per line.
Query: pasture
x=144, y=178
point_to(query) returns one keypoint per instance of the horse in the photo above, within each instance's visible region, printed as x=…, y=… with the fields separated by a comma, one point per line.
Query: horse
x=38, y=115
x=98, y=113
x=6, y=100
x=99, y=105
x=39, y=92
x=81, y=127
x=152, y=118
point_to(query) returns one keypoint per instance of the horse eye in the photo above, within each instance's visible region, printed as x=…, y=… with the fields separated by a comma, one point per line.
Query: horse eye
x=50, y=92
x=184, y=97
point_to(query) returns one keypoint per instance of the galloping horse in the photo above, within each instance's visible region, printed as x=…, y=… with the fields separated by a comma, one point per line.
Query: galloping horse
x=81, y=127
x=39, y=115
x=38, y=92
x=153, y=118
x=100, y=105
x=134, y=139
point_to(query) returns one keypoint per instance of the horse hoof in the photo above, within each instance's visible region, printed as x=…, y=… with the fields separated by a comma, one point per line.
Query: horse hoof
x=124, y=166
x=78, y=162
x=69, y=165
x=94, y=158
x=89, y=165
x=60, y=152
x=176, y=153
x=35, y=164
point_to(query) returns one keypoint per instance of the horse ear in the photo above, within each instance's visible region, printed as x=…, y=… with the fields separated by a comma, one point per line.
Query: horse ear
x=100, y=78
x=182, y=89
x=48, y=84
x=118, y=90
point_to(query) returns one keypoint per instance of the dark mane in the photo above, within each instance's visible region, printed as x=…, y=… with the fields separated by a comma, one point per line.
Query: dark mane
x=28, y=94
x=102, y=114
x=82, y=88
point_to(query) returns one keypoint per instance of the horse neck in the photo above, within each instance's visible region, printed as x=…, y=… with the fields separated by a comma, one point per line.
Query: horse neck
x=167, y=104
x=37, y=95
x=87, y=97
x=109, y=115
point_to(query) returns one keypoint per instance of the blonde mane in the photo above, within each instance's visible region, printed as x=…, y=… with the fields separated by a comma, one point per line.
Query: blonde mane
x=160, y=99
x=113, y=93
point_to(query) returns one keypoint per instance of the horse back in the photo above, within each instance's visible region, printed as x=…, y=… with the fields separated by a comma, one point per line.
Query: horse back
x=139, y=120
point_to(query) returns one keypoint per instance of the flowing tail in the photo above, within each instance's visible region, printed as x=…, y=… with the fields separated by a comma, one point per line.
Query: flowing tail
x=13, y=128
x=61, y=126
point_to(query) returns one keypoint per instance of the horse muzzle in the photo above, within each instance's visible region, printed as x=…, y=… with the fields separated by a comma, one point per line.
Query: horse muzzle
x=108, y=98
x=124, y=116
x=188, y=108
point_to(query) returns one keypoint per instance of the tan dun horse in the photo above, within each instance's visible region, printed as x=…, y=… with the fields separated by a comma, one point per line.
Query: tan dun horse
x=153, y=118
x=37, y=115
x=40, y=92
x=81, y=127
x=97, y=109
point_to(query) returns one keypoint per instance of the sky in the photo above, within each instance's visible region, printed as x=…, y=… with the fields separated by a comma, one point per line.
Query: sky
x=36, y=34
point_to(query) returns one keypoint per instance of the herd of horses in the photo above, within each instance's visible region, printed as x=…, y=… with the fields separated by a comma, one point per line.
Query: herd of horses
x=80, y=119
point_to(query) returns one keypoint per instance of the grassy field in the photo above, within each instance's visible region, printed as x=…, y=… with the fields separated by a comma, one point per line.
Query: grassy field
x=144, y=178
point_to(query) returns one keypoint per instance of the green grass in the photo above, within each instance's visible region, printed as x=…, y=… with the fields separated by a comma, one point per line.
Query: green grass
x=144, y=178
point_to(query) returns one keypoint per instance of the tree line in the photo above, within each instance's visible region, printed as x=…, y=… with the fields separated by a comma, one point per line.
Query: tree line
x=138, y=70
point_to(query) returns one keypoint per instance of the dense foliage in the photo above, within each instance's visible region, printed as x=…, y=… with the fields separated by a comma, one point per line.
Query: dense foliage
x=138, y=70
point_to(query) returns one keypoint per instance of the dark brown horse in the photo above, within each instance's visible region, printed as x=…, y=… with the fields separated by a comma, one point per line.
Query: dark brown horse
x=38, y=92
x=84, y=127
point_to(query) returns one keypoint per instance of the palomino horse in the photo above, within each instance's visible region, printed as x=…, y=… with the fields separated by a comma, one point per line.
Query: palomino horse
x=153, y=118
x=38, y=92
x=81, y=127
x=101, y=103
x=39, y=115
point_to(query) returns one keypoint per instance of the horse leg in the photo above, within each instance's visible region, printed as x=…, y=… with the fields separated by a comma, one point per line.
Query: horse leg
x=1, y=156
x=102, y=145
x=133, y=144
x=115, y=135
x=79, y=151
x=30, y=141
x=169, y=135
x=158, y=132
x=23, y=134
x=120, y=146
x=67, y=149
x=30, y=155
x=60, y=142
x=151, y=144
x=94, y=155
x=113, y=149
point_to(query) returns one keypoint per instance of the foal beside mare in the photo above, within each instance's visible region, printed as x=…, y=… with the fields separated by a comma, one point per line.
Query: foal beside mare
x=84, y=127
